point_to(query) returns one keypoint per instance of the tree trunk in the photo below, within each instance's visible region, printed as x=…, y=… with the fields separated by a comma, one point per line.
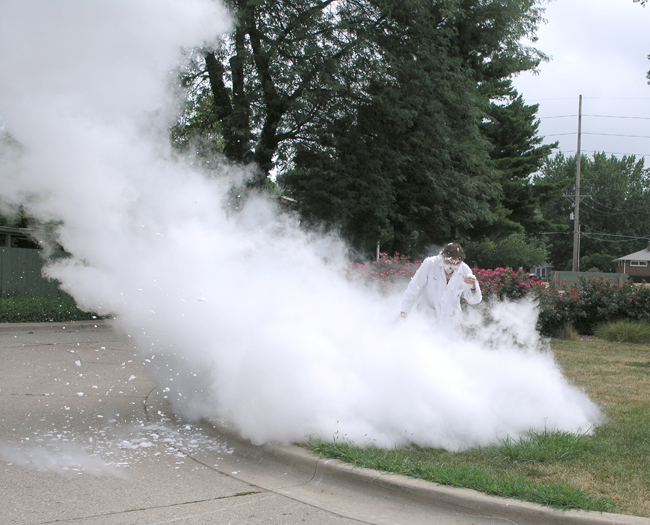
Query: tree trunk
x=223, y=107
x=240, y=118
x=275, y=105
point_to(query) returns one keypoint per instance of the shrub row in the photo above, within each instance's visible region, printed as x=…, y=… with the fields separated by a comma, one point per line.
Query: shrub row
x=385, y=271
x=36, y=309
x=584, y=305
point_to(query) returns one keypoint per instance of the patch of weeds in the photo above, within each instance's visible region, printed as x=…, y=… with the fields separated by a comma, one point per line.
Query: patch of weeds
x=635, y=364
x=542, y=447
x=567, y=332
x=625, y=332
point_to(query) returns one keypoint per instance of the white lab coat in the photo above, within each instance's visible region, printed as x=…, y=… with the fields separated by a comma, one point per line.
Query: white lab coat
x=436, y=296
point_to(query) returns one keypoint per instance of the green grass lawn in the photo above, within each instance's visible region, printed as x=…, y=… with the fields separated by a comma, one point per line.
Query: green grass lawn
x=45, y=308
x=607, y=471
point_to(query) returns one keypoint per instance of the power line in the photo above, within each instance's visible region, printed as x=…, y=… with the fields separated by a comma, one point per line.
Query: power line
x=598, y=234
x=621, y=238
x=617, y=135
x=611, y=211
x=617, y=116
x=617, y=98
x=600, y=134
x=610, y=152
x=598, y=116
x=615, y=235
x=541, y=233
x=545, y=99
x=588, y=98
x=596, y=201
x=583, y=233
x=603, y=213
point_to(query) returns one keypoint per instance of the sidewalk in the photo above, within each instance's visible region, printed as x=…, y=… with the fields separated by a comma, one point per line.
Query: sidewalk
x=86, y=439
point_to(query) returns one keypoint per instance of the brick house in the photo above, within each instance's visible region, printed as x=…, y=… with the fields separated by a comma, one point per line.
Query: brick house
x=637, y=263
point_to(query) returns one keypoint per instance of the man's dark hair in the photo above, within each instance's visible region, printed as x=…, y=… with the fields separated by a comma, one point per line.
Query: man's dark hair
x=454, y=251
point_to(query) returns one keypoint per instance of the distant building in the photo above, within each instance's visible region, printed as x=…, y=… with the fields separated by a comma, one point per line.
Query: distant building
x=636, y=263
x=16, y=238
x=21, y=264
x=543, y=271
x=287, y=201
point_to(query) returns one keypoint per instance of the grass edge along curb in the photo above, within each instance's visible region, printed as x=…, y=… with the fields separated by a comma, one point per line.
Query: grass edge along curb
x=557, y=495
x=60, y=308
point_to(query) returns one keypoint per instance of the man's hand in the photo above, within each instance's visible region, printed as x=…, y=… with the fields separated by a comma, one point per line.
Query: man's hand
x=471, y=280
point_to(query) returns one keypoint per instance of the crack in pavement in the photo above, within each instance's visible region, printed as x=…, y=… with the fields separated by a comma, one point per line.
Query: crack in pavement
x=172, y=505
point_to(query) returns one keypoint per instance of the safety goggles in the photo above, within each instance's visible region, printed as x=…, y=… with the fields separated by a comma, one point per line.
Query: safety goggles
x=451, y=261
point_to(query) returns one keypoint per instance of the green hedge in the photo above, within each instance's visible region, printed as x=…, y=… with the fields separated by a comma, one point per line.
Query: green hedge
x=584, y=305
x=44, y=308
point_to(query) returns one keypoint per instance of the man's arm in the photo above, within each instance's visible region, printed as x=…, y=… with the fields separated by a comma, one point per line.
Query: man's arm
x=473, y=294
x=418, y=281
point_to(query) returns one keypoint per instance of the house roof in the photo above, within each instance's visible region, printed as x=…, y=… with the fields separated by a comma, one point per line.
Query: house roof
x=641, y=255
x=8, y=229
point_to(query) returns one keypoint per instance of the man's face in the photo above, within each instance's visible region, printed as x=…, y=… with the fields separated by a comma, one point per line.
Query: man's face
x=451, y=264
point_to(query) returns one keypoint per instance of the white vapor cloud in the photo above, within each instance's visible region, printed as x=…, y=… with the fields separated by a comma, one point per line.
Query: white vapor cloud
x=243, y=315
x=64, y=459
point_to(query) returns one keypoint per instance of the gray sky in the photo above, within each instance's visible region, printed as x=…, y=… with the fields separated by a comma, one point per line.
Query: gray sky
x=599, y=49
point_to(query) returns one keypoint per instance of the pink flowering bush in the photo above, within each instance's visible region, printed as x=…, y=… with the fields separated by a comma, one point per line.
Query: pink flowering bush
x=600, y=300
x=505, y=283
x=557, y=307
x=386, y=271
x=591, y=302
x=585, y=305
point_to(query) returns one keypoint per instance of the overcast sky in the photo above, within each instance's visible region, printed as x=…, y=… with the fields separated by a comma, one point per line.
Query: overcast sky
x=599, y=49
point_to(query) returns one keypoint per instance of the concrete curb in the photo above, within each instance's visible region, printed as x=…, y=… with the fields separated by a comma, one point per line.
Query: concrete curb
x=423, y=493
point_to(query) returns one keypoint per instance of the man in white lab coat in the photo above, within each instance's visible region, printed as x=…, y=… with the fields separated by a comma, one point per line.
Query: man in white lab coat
x=439, y=283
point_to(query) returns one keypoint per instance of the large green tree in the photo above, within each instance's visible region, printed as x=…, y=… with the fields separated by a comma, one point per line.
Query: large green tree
x=371, y=111
x=286, y=66
x=517, y=153
x=513, y=251
x=614, y=216
x=411, y=166
x=407, y=165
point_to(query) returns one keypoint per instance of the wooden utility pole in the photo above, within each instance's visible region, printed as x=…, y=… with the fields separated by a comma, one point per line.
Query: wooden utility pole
x=576, y=212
